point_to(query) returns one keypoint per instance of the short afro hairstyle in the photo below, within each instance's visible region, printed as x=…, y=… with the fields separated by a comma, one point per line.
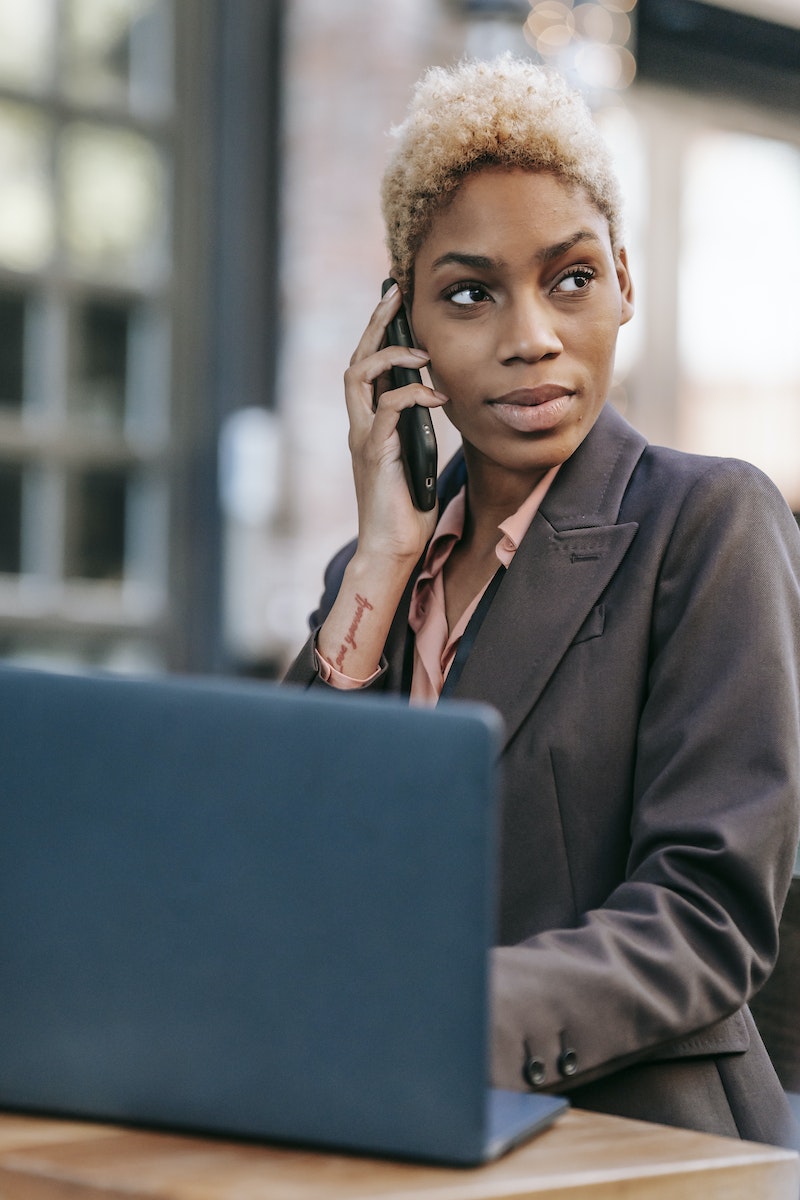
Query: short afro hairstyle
x=508, y=112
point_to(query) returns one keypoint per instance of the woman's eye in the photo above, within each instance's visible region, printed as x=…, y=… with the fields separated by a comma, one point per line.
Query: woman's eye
x=575, y=281
x=467, y=294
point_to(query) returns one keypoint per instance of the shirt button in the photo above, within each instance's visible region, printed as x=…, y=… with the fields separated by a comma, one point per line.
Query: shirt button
x=534, y=1071
x=567, y=1062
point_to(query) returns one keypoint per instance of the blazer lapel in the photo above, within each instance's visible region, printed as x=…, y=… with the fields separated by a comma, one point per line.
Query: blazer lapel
x=565, y=562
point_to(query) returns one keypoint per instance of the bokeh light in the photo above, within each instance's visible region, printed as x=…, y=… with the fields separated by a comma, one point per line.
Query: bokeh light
x=588, y=40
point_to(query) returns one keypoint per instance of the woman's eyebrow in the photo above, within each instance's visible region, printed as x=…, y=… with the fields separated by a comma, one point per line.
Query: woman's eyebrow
x=552, y=252
x=478, y=262
x=481, y=262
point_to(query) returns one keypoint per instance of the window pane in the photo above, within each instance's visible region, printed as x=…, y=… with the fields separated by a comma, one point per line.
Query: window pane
x=97, y=395
x=113, y=52
x=10, y=518
x=114, y=197
x=26, y=208
x=27, y=43
x=12, y=349
x=96, y=507
x=739, y=351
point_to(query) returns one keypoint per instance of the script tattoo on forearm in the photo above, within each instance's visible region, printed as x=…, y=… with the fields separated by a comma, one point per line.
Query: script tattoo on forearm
x=362, y=604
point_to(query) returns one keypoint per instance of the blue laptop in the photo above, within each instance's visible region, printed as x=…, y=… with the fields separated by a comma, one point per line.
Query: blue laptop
x=250, y=911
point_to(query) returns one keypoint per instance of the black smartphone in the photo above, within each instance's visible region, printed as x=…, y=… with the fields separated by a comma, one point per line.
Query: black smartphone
x=415, y=427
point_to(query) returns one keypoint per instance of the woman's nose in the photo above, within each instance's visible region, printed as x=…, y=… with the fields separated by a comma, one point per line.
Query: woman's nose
x=528, y=331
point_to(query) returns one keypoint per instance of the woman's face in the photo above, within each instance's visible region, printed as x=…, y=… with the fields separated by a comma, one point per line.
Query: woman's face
x=518, y=300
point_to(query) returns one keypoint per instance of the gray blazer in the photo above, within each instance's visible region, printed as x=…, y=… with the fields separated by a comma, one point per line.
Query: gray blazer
x=643, y=651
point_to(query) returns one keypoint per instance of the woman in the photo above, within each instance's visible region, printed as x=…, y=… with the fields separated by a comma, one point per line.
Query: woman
x=640, y=624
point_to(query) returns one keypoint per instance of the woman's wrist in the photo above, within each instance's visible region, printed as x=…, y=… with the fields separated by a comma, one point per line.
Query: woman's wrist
x=354, y=634
x=381, y=570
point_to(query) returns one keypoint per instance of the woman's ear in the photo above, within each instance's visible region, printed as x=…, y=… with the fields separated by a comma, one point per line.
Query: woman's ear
x=625, y=286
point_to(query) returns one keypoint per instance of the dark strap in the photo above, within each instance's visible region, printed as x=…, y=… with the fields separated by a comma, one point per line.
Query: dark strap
x=471, y=632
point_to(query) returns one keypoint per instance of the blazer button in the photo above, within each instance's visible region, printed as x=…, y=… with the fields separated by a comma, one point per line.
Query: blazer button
x=534, y=1071
x=567, y=1062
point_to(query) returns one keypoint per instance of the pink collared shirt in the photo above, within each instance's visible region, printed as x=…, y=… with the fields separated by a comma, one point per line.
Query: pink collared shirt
x=435, y=645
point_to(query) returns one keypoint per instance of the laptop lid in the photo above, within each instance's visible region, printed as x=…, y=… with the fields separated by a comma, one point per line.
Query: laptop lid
x=247, y=910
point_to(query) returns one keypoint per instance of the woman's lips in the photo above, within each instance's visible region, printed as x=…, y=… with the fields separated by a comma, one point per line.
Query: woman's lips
x=530, y=410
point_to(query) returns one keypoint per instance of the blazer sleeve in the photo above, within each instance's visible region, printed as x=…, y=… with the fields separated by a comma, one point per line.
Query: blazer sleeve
x=691, y=932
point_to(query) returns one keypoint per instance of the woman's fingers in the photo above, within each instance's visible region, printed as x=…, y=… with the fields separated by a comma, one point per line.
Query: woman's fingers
x=380, y=362
x=372, y=375
x=368, y=388
x=379, y=425
x=370, y=396
x=389, y=525
x=373, y=337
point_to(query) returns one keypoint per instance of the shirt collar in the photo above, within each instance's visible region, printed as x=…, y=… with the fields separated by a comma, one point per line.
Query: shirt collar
x=450, y=527
x=516, y=526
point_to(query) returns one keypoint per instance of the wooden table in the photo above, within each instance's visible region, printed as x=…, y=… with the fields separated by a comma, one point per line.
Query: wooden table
x=582, y=1155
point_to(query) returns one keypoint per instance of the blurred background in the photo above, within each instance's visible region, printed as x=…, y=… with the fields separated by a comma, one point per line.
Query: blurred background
x=191, y=245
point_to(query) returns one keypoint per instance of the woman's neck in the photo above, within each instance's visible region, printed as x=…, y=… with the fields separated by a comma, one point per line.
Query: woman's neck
x=494, y=493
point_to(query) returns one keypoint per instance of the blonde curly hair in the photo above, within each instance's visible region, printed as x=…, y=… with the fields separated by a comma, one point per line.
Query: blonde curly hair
x=507, y=113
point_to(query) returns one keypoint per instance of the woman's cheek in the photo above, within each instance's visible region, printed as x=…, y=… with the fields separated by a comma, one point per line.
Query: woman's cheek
x=437, y=378
x=441, y=372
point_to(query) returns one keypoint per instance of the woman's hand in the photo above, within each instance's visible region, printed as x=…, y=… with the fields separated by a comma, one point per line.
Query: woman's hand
x=392, y=533
x=390, y=527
